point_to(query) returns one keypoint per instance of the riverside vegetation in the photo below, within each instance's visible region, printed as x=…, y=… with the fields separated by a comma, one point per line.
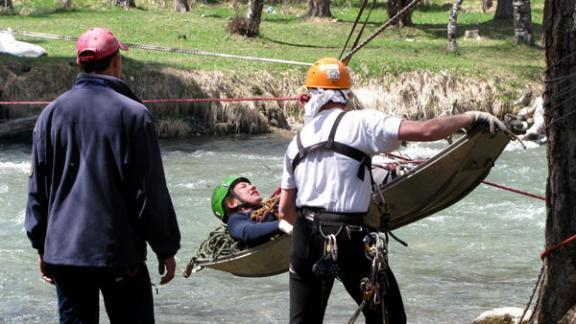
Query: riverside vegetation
x=404, y=71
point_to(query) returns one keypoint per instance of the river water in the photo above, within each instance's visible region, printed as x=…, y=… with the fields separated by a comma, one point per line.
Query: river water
x=479, y=254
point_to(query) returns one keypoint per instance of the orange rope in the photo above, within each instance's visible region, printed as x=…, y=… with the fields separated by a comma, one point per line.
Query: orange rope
x=567, y=241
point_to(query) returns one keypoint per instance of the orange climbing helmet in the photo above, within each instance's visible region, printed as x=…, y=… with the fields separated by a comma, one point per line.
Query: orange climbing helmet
x=328, y=73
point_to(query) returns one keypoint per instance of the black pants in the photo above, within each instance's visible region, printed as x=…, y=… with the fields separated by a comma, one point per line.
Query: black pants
x=309, y=294
x=127, y=294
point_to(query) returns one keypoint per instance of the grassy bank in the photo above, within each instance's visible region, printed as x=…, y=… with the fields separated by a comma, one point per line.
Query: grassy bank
x=493, y=63
x=287, y=34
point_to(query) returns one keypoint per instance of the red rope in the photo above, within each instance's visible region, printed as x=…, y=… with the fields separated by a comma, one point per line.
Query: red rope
x=514, y=190
x=557, y=246
x=221, y=99
x=483, y=181
x=172, y=100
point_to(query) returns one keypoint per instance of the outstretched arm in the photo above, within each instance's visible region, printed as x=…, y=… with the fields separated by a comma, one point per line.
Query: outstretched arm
x=433, y=129
x=441, y=127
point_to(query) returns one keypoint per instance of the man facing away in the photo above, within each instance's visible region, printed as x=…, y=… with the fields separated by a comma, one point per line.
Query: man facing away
x=97, y=193
x=239, y=204
x=326, y=190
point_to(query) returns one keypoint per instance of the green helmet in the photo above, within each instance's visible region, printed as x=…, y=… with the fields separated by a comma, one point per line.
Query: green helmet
x=221, y=192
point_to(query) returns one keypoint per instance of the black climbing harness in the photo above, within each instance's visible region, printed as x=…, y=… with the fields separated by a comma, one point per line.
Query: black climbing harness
x=331, y=145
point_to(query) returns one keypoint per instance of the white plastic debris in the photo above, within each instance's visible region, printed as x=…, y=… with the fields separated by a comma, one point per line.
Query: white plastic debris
x=9, y=45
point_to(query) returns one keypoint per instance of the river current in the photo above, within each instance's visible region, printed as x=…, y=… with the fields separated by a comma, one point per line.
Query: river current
x=479, y=254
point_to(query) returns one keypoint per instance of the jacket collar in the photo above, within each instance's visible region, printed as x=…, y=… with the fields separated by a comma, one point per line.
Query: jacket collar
x=85, y=79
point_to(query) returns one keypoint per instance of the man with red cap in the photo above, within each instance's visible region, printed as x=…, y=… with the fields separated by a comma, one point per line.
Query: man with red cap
x=97, y=193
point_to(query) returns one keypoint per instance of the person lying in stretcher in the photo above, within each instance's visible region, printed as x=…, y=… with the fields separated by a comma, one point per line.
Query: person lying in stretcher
x=250, y=218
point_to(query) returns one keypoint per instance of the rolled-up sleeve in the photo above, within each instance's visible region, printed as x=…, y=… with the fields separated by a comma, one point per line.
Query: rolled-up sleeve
x=288, y=181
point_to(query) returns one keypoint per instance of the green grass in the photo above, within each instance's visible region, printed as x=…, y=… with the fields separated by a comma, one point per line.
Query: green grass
x=288, y=35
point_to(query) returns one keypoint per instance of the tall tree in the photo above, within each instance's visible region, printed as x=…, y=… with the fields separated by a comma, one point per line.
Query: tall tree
x=452, y=46
x=125, y=3
x=254, y=15
x=504, y=10
x=396, y=5
x=319, y=8
x=250, y=25
x=181, y=6
x=558, y=291
x=523, y=22
x=67, y=4
x=486, y=5
x=7, y=4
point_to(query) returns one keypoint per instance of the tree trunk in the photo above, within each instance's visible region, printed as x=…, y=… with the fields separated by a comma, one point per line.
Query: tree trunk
x=486, y=5
x=396, y=5
x=7, y=4
x=319, y=8
x=254, y=16
x=558, y=291
x=181, y=6
x=504, y=10
x=452, y=46
x=523, y=22
x=125, y=3
x=67, y=4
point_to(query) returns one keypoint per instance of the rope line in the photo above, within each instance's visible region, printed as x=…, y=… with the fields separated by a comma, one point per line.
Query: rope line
x=514, y=190
x=565, y=242
x=389, y=22
x=17, y=103
x=168, y=49
x=532, y=297
x=361, y=31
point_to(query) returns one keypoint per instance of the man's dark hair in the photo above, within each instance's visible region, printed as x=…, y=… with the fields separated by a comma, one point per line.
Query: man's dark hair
x=97, y=66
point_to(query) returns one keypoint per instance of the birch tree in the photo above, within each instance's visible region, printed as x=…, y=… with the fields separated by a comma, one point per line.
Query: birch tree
x=452, y=46
x=7, y=4
x=250, y=25
x=181, y=6
x=254, y=15
x=523, y=22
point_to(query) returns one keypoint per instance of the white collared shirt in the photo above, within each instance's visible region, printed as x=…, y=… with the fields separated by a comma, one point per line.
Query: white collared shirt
x=328, y=179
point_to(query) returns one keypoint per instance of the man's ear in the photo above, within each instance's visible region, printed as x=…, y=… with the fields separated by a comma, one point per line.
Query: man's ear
x=231, y=202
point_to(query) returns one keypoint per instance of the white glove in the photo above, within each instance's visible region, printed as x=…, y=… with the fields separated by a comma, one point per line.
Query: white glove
x=285, y=227
x=484, y=118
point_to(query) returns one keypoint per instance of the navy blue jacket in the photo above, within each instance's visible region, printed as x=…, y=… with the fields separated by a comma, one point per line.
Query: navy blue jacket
x=97, y=192
x=250, y=232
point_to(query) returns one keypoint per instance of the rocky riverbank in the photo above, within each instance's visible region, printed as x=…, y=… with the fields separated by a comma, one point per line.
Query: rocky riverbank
x=414, y=95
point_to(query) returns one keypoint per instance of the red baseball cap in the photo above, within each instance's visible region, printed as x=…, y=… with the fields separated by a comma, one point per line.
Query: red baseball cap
x=96, y=44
